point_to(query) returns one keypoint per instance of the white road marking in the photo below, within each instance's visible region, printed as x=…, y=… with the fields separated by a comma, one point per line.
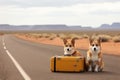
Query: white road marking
x=5, y=47
x=23, y=73
x=20, y=69
x=3, y=44
x=3, y=41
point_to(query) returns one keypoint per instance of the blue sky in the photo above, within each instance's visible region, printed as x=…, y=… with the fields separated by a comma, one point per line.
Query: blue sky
x=69, y=12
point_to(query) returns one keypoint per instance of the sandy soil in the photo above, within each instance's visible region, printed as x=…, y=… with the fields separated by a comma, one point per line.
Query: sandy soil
x=107, y=47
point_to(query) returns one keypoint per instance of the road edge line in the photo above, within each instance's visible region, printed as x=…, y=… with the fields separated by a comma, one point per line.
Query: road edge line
x=23, y=73
x=20, y=69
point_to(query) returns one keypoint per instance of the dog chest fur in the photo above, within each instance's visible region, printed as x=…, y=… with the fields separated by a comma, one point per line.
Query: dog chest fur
x=94, y=57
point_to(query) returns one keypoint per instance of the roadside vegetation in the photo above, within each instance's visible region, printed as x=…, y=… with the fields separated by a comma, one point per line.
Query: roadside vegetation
x=50, y=35
x=116, y=38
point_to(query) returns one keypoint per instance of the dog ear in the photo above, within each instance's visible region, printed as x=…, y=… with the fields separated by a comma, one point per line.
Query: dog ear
x=64, y=40
x=90, y=40
x=99, y=39
x=73, y=41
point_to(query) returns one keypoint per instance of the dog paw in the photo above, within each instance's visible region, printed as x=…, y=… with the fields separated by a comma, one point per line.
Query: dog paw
x=96, y=70
x=90, y=69
x=100, y=70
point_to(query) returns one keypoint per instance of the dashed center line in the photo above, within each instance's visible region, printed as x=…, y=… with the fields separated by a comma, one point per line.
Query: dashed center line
x=20, y=69
x=3, y=44
x=5, y=47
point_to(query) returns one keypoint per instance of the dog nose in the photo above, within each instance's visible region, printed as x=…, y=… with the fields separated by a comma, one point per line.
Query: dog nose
x=67, y=49
x=94, y=49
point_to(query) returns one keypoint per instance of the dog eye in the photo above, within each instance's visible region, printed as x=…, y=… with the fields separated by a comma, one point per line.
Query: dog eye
x=70, y=45
x=92, y=44
x=96, y=44
x=66, y=45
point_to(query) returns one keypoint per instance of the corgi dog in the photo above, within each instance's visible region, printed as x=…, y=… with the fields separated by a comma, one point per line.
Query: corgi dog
x=94, y=56
x=69, y=48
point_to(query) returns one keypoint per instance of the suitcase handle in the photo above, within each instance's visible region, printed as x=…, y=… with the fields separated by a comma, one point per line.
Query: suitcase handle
x=67, y=55
x=54, y=64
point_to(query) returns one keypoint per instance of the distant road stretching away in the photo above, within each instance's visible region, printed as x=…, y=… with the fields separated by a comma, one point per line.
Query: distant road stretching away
x=31, y=61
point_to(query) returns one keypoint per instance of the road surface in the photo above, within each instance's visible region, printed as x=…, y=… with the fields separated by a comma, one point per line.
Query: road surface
x=32, y=62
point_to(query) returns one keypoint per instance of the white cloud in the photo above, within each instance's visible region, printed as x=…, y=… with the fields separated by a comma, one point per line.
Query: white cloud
x=50, y=3
x=86, y=14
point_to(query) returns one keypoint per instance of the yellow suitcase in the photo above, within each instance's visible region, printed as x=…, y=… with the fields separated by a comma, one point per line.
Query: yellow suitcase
x=67, y=64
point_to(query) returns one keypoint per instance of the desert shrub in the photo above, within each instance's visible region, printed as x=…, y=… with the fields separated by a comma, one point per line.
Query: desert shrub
x=37, y=35
x=1, y=34
x=74, y=36
x=45, y=35
x=61, y=35
x=116, y=38
x=27, y=35
x=85, y=36
x=104, y=38
x=52, y=36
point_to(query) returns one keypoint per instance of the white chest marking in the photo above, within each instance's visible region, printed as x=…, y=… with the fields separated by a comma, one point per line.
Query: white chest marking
x=69, y=52
x=94, y=57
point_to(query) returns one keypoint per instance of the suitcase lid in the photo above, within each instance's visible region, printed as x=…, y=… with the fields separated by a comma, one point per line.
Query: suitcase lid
x=69, y=58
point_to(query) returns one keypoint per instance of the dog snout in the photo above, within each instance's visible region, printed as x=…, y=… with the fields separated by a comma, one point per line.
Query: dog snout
x=94, y=49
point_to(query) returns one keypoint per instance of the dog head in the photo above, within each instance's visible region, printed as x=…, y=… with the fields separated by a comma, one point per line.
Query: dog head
x=95, y=45
x=69, y=46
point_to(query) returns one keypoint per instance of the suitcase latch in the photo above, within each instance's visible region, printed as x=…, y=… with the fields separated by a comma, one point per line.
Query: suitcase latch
x=77, y=60
x=75, y=65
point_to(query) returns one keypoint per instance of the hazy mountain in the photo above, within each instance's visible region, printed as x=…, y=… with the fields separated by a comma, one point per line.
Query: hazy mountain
x=49, y=27
x=113, y=26
x=38, y=27
x=105, y=26
x=14, y=27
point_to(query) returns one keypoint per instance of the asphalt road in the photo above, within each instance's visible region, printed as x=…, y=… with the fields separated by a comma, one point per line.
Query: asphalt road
x=34, y=59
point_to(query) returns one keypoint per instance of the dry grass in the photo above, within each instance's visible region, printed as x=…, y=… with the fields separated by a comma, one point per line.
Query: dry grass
x=1, y=34
x=62, y=35
x=105, y=38
x=68, y=36
x=52, y=36
x=85, y=36
x=74, y=36
x=45, y=35
x=116, y=38
x=36, y=35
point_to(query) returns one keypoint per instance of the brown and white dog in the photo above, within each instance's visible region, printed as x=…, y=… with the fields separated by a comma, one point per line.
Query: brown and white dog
x=69, y=48
x=94, y=56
